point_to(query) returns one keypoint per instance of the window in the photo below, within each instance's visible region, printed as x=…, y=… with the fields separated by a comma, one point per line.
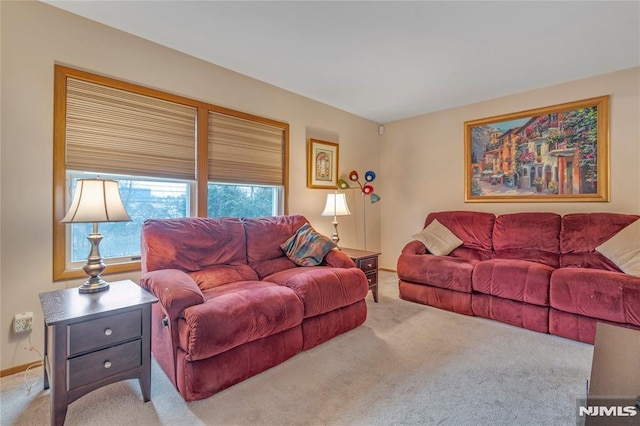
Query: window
x=143, y=198
x=243, y=200
x=172, y=157
x=245, y=167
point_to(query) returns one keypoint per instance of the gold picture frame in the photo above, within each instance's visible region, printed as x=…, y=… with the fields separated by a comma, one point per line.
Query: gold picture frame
x=557, y=153
x=322, y=164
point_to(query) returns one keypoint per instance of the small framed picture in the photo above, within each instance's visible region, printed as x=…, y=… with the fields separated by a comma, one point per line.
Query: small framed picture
x=322, y=165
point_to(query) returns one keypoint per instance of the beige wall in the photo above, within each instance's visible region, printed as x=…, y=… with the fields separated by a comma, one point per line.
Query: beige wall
x=34, y=37
x=431, y=178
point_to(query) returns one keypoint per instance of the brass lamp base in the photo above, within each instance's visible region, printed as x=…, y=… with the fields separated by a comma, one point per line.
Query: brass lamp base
x=94, y=285
x=334, y=236
x=94, y=266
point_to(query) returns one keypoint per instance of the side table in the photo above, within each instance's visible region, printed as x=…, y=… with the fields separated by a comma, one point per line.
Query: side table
x=367, y=261
x=615, y=378
x=94, y=339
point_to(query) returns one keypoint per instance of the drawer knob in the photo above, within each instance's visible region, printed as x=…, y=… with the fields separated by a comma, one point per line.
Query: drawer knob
x=107, y=364
x=369, y=265
x=108, y=332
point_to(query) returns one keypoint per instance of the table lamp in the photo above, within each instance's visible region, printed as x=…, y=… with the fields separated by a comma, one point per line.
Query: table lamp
x=94, y=201
x=336, y=206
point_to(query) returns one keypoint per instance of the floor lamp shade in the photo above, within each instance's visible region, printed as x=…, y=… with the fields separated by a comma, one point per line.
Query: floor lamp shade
x=94, y=201
x=336, y=206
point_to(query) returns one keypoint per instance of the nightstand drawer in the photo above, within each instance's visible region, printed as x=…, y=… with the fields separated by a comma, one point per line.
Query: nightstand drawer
x=372, y=278
x=369, y=264
x=92, y=334
x=93, y=367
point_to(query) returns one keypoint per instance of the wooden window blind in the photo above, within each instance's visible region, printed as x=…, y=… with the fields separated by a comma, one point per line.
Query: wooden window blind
x=243, y=151
x=115, y=131
x=110, y=126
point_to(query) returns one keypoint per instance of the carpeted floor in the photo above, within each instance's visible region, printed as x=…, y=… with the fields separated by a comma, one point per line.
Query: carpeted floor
x=407, y=365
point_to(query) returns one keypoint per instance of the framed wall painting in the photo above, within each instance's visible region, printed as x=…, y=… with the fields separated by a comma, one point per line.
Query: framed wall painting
x=556, y=153
x=322, y=164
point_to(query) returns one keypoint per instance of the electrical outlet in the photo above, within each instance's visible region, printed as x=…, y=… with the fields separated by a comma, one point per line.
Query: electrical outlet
x=23, y=322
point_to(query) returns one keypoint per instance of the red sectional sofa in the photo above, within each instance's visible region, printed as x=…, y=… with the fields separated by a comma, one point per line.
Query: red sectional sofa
x=539, y=271
x=233, y=305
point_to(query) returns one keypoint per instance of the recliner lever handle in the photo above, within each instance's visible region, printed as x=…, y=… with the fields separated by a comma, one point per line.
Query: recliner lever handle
x=165, y=321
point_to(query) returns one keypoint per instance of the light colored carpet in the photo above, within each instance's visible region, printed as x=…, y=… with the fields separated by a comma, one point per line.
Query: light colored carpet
x=409, y=364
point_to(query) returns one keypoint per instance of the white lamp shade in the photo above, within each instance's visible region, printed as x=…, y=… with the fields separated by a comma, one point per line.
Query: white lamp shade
x=336, y=205
x=96, y=200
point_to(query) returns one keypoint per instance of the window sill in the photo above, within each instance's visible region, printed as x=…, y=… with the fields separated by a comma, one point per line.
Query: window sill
x=110, y=269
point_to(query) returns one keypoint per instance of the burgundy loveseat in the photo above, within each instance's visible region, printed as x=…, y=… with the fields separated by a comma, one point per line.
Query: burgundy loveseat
x=232, y=305
x=539, y=271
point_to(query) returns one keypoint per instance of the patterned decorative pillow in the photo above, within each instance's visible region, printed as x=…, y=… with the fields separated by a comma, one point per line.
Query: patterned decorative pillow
x=307, y=247
x=623, y=249
x=438, y=239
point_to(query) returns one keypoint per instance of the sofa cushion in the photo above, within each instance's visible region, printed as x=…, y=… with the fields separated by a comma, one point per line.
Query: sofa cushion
x=448, y=272
x=441, y=298
x=438, y=239
x=202, y=378
x=307, y=247
x=319, y=329
x=581, y=233
x=213, y=276
x=264, y=236
x=578, y=327
x=323, y=289
x=473, y=228
x=528, y=236
x=623, y=249
x=271, y=266
x=595, y=293
x=514, y=279
x=520, y=314
x=237, y=313
x=191, y=244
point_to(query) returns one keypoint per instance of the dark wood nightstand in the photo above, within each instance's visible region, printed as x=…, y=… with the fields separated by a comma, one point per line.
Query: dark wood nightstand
x=95, y=339
x=368, y=262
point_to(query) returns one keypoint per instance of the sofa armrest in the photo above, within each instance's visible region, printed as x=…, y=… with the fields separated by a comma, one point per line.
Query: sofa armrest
x=414, y=247
x=339, y=259
x=174, y=288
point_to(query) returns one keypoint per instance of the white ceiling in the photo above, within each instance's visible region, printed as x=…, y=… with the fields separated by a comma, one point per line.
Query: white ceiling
x=388, y=60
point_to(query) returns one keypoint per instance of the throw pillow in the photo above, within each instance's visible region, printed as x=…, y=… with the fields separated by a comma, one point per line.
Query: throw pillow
x=307, y=247
x=438, y=239
x=623, y=249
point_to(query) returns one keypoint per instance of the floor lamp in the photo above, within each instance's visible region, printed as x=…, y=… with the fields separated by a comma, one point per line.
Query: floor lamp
x=365, y=190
